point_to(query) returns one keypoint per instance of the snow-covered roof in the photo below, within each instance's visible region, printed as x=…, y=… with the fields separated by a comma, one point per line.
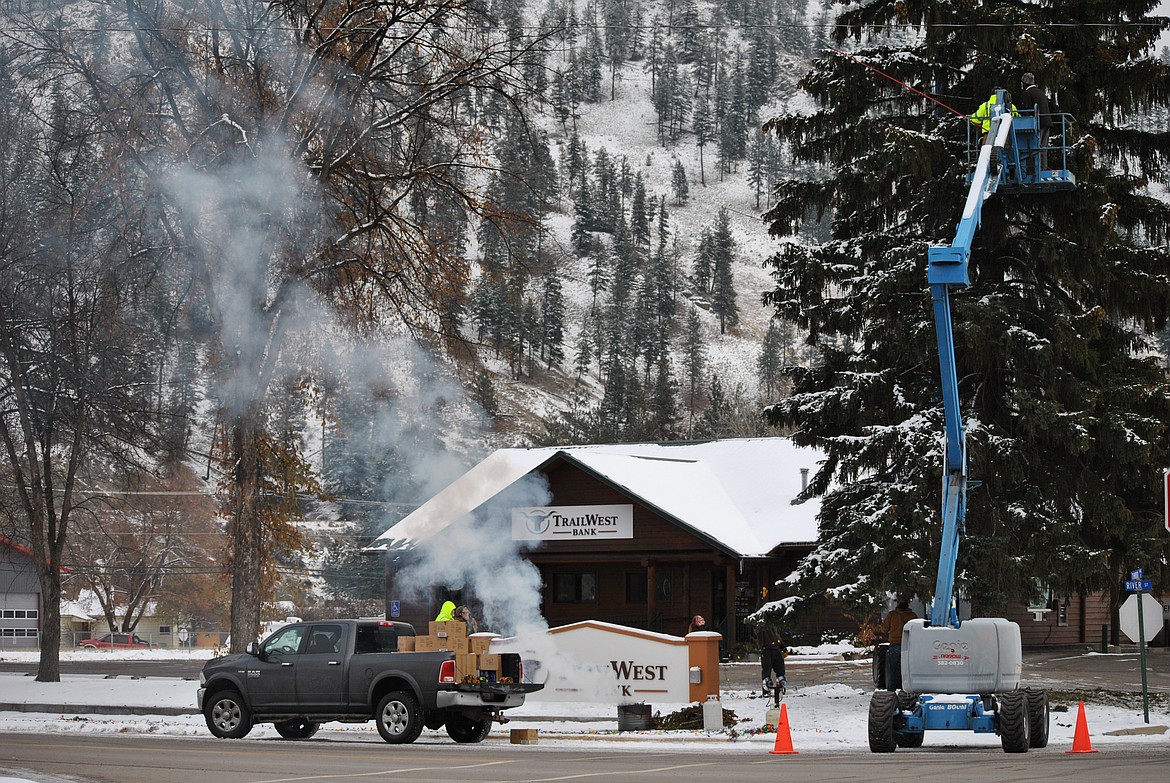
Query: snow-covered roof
x=736, y=493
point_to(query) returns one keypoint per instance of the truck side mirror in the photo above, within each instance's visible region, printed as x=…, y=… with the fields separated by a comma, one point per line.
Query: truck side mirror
x=253, y=648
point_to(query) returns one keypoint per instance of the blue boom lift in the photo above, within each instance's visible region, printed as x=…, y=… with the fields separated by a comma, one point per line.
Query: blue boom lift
x=966, y=675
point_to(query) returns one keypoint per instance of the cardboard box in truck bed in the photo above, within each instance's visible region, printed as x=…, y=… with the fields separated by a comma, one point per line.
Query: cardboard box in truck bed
x=449, y=629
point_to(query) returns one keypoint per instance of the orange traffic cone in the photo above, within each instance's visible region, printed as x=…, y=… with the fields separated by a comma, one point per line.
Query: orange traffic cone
x=783, y=737
x=1081, y=743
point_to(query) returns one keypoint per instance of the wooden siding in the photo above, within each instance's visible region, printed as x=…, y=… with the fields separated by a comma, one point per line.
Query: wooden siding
x=1085, y=615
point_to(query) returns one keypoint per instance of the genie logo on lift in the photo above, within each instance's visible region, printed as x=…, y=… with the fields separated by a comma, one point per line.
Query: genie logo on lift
x=950, y=653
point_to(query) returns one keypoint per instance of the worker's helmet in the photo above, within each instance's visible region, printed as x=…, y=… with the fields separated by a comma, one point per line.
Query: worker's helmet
x=1027, y=79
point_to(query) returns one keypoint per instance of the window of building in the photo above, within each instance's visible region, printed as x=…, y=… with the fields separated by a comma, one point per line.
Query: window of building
x=27, y=633
x=19, y=614
x=164, y=629
x=575, y=588
x=635, y=587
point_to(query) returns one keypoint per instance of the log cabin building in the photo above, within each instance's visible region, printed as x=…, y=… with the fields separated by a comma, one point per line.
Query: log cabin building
x=643, y=535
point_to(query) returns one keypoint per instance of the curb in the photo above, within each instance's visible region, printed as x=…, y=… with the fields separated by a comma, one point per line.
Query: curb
x=97, y=709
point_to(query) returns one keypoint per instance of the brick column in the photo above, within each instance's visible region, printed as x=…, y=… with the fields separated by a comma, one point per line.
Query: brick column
x=703, y=648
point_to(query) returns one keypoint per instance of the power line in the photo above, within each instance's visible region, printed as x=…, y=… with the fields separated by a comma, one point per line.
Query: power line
x=1160, y=23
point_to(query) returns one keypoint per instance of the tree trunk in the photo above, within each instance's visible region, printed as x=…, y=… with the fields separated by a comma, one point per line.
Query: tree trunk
x=49, y=669
x=245, y=532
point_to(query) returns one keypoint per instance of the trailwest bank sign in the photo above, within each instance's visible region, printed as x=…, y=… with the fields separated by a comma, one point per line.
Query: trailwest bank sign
x=556, y=523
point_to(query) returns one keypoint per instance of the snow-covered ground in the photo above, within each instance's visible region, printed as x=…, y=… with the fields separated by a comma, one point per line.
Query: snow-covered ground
x=823, y=716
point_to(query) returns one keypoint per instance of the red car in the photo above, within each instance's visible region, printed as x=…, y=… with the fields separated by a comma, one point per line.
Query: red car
x=118, y=641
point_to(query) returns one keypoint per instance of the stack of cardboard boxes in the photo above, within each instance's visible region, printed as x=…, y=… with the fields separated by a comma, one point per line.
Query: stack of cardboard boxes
x=471, y=652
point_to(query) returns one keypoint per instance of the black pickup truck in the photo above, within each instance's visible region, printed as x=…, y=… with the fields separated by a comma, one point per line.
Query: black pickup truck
x=308, y=673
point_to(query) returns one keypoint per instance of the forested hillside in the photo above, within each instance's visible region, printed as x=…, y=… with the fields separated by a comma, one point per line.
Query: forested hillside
x=260, y=253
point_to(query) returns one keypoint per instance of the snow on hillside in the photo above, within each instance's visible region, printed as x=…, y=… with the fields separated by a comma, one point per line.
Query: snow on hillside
x=627, y=127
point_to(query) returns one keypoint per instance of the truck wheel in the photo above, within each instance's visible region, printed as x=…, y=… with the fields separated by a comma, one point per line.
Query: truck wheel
x=399, y=718
x=1038, y=718
x=882, y=707
x=463, y=729
x=228, y=717
x=296, y=729
x=1012, y=722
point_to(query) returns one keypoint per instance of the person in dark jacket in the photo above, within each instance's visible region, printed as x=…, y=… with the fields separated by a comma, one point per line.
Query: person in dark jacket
x=891, y=628
x=1033, y=100
x=770, y=637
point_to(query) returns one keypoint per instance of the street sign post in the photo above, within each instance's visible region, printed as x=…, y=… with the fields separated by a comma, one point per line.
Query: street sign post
x=1166, y=498
x=1140, y=618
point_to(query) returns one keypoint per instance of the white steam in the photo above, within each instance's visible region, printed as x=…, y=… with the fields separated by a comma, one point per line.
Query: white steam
x=477, y=553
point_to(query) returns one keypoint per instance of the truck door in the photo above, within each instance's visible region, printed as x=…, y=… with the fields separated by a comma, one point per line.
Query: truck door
x=321, y=668
x=271, y=677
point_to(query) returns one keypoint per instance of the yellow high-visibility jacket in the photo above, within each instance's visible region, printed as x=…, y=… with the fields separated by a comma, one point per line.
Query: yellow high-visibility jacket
x=982, y=115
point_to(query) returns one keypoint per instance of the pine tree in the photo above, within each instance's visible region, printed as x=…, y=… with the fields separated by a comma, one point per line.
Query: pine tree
x=704, y=128
x=1065, y=409
x=716, y=418
x=679, y=185
x=695, y=357
x=552, y=320
x=723, y=299
x=704, y=261
x=770, y=362
x=617, y=39
x=664, y=402
x=689, y=31
x=639, y=214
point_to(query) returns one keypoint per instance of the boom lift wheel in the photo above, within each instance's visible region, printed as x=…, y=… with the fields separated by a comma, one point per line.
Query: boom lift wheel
x=882, y=708
x=1038, y=717
x=1013, y=724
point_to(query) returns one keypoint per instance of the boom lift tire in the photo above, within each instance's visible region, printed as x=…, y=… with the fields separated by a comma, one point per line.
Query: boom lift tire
x=1013, y=723
x=296, y=729
x=882, y=708
x=1038, y=717
x=399, y=718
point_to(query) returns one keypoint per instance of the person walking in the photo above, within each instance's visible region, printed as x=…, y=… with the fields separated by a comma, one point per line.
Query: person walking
x=770, y=637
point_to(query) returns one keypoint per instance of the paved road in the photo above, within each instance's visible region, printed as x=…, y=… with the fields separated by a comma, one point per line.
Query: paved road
x=153, y=759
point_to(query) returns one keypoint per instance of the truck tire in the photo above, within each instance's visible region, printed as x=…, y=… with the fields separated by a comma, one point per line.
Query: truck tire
x=464, y=729
x=1038, y=718
x=228, y=717
x=882, y=707
x=296, y=729
x=1012, y=722
x=399, y=718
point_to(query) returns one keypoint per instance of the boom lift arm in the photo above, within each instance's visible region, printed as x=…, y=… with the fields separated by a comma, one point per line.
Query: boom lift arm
x=967, y=675
x=947, y=272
